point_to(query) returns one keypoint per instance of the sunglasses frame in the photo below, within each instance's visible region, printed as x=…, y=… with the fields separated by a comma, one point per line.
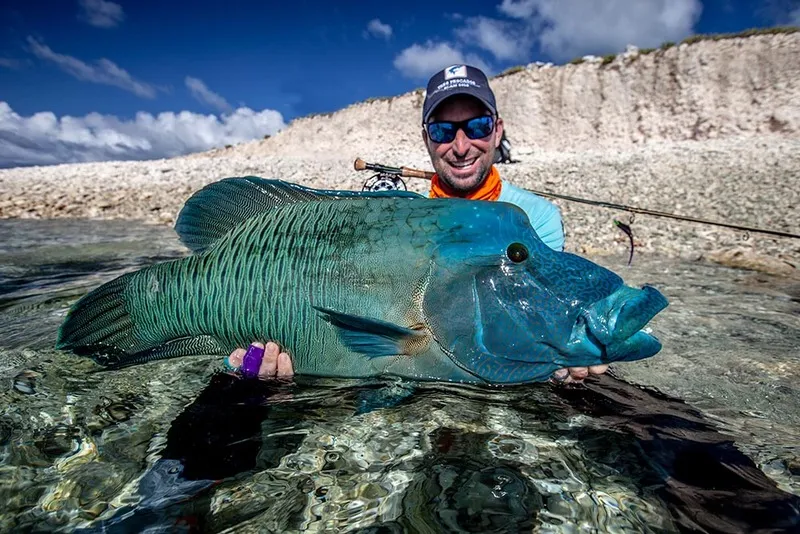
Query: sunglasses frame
x=461, y=125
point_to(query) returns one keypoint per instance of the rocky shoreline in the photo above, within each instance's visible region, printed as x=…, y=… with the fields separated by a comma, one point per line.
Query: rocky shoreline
x=746, y=182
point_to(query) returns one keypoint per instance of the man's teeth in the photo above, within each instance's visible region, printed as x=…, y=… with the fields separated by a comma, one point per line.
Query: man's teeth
x=463, y=164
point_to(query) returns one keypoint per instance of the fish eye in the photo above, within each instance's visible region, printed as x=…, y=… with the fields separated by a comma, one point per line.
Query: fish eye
x=517, y=252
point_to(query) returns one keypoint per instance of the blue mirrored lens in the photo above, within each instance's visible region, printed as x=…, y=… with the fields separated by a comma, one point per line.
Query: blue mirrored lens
x=445, y=132
x=479, y=127
x=442, y=132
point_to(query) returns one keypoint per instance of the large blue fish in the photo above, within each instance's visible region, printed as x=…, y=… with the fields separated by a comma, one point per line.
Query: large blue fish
x=367, y=284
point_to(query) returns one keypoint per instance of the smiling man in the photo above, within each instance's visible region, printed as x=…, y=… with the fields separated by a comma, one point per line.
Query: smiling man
x=462, y=131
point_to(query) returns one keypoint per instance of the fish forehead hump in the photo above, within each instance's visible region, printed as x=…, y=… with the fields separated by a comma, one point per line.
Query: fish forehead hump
x=447, y=221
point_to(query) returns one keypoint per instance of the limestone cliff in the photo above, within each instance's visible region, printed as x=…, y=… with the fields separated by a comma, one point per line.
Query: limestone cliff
x=706, y=90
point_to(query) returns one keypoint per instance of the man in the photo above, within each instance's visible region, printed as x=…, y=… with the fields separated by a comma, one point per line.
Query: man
x=462, y=132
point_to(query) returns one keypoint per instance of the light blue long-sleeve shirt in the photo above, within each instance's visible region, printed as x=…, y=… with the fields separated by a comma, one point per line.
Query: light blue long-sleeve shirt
x=544, y=216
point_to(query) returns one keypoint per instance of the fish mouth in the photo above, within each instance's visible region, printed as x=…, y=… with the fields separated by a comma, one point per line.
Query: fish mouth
x=615, y=328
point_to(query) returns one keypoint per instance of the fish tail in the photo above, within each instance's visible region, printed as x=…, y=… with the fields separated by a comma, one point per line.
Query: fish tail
x=99, y=321
x=100, y=326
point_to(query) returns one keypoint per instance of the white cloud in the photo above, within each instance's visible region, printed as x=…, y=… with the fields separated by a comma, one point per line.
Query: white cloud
x=421, y=61
x=519, y=9
x=104, y=72
x=571, y=28
x=205, y=95
x=378, y=29
x=563, y=29
x=505, y=40
x=10, y=63
x=100, y=13
x=44, y=138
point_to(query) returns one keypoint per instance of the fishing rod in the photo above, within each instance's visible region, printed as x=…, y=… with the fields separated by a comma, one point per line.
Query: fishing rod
x=414, y=173
x=405, y=172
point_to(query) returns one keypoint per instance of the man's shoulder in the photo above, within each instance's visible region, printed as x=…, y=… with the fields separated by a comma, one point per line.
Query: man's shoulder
x=534, y=205
x=544, y=216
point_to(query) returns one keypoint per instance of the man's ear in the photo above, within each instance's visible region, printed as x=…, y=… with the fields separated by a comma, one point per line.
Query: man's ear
x=424, y=137
x=498, y=129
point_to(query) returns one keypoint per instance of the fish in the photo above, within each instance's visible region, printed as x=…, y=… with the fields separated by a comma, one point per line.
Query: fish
x=366, y=284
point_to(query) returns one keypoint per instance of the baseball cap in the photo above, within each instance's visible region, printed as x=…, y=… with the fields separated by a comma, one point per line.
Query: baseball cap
x=457, y=80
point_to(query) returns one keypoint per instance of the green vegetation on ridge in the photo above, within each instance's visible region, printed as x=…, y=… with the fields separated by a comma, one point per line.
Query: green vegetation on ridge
x=692, y=39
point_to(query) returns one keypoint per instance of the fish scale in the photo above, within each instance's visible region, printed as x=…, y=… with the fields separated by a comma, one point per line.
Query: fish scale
x=243, y=311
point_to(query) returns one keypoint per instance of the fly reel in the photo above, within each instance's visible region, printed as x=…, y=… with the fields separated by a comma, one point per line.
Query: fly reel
x=384, y=181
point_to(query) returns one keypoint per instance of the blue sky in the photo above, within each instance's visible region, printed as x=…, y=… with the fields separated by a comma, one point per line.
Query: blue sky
x=97, y=79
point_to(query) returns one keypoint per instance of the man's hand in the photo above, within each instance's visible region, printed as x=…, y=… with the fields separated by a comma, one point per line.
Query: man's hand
x=575, y=375
x=274, y=364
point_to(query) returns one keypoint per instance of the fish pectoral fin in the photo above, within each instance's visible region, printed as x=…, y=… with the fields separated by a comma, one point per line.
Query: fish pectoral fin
x=372, y=337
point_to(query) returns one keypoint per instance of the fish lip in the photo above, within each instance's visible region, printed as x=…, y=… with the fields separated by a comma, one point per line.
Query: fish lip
x=635, y=345
x=623, y=313
x=584, y=340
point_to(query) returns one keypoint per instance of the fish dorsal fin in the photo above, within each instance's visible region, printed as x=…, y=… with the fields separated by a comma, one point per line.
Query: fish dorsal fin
x=221, y=206
x=217, y=208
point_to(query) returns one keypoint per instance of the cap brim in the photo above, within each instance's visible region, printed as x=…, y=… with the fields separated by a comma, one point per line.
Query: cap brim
x=438, y=99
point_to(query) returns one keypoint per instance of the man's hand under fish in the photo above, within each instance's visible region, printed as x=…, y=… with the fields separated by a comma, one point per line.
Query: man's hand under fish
x=277, y=364
x=273, y=362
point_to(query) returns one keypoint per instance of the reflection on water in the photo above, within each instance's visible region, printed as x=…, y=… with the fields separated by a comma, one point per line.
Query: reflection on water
x=178, y=445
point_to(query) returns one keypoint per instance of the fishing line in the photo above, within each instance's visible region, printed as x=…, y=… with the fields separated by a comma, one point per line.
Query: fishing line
x=644, y=211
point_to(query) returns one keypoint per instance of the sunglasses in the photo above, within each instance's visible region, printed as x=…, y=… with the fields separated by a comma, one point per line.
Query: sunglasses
x=476, y=128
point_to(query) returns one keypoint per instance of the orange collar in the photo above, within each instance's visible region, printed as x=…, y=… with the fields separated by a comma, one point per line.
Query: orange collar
x=488, y=190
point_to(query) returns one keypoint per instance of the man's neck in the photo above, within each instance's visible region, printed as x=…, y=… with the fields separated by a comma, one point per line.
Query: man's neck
x=489, y=189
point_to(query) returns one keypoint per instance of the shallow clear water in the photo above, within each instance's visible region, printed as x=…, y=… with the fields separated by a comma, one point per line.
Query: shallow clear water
x=178, y=445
